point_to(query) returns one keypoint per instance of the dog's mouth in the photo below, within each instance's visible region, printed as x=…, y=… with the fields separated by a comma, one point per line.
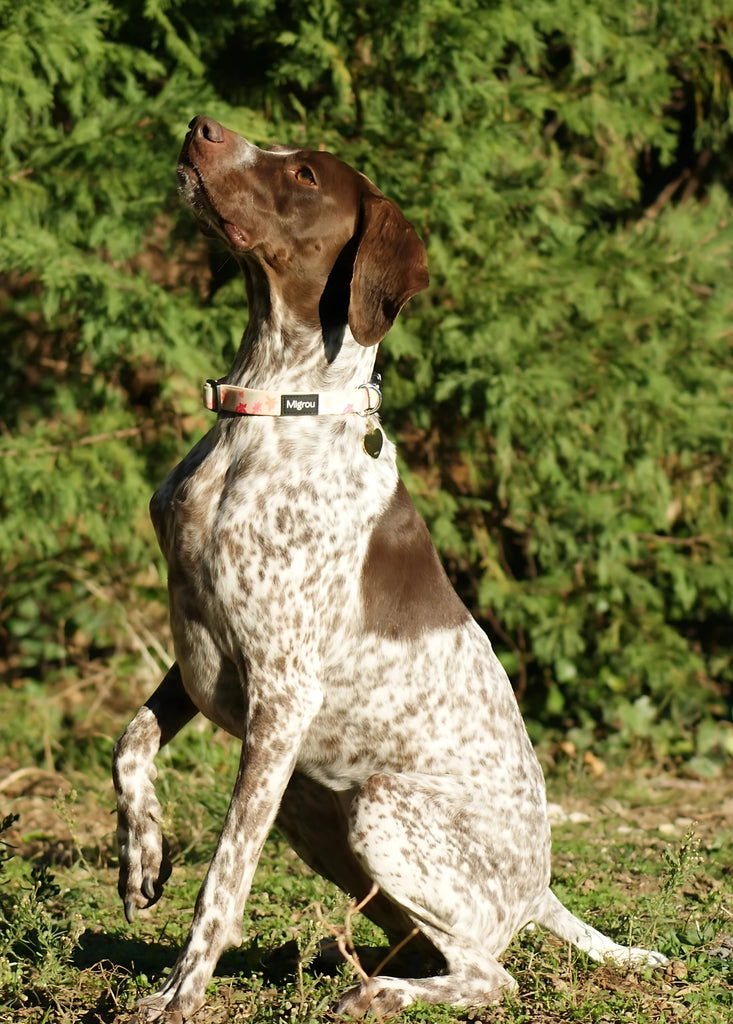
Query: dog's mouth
x=190, y=181
x=193, y=191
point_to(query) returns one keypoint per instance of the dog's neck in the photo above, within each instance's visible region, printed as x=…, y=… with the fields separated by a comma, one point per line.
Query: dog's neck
x=282, y=351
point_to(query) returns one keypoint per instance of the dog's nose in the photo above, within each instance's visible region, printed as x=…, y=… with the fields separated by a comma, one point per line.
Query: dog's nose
x=206, y=128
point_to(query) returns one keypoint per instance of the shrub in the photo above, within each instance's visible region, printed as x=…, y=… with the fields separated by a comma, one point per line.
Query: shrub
x=562, y=393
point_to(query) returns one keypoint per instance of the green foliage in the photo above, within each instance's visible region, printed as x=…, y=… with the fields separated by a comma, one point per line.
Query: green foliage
x=562, y=393
x=36, y=946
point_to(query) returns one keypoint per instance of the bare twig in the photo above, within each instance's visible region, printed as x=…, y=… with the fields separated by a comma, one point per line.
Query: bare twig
x=344, y=937
x=142, y=639
x=658, y=538
x=664, y=197
x=21, y=773
x=393, y=952
x=345, y=943
x=54, y=449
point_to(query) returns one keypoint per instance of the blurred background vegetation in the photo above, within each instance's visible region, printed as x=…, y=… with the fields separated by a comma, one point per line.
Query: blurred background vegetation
x=562, y=395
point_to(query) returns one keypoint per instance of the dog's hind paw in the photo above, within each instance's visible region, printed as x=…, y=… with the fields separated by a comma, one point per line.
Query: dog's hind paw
x=381, y=997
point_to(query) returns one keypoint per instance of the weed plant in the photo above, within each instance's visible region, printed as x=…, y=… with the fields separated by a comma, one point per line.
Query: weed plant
x=37, y=940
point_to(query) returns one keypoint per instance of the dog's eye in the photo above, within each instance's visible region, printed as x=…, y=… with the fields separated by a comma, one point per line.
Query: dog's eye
x=305, y=176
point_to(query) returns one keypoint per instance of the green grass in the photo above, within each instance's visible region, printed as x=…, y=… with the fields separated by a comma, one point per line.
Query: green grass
x=631, y=862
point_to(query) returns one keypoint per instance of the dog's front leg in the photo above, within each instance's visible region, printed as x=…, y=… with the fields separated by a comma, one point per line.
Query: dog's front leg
x=144, y=864
x=276, y=724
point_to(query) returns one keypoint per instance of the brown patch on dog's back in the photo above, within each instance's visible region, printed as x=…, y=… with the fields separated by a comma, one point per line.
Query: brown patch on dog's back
x=405, y=590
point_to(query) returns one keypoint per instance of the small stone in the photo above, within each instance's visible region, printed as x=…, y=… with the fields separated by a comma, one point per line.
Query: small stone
x=579, y=818
x=556, y=813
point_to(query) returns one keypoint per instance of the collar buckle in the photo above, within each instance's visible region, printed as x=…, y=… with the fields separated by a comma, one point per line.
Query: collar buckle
x=211, y=395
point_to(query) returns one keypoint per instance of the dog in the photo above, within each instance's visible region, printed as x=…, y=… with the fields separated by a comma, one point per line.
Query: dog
x=312, y=619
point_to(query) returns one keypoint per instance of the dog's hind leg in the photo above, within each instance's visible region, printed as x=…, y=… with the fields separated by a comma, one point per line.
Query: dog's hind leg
x=551, y=914
x=315, y=822
x=143, y=853
x=454, y=861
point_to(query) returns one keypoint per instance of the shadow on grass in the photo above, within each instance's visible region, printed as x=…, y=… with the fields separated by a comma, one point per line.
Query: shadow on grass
x=139, y=956
x=110, y=953
x=132, y=954
x=275, y=964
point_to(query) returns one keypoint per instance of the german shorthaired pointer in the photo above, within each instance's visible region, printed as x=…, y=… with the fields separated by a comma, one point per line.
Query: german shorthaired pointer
x=312, y=619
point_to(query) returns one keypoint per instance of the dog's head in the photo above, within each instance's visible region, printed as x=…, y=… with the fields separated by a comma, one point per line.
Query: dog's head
x=332, y=247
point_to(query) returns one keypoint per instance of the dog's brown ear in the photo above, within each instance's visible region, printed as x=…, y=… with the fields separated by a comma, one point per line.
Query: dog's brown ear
x=390, y=266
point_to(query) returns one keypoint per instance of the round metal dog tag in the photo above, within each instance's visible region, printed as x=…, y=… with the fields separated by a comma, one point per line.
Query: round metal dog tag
x=372, y=442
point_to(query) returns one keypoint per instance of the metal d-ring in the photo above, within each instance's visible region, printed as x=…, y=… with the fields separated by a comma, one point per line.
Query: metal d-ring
x=373, y=385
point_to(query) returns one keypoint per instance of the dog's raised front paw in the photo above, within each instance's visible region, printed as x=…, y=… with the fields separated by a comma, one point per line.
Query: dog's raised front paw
x=145, y=864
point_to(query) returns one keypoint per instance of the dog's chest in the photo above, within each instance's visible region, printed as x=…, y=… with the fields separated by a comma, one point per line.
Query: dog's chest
x=273, y=533
x=267, y=549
